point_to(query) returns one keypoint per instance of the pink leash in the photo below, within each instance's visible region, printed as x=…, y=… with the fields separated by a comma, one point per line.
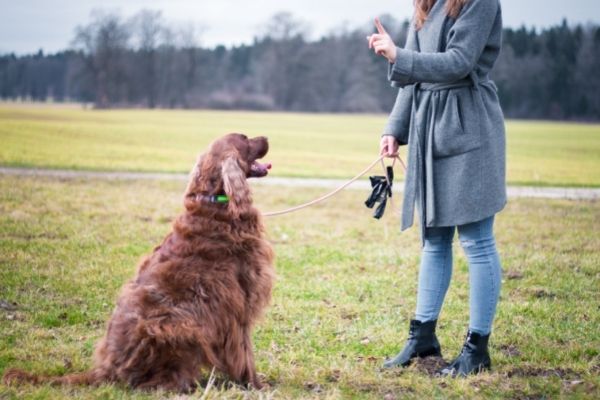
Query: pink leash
x=339, y=189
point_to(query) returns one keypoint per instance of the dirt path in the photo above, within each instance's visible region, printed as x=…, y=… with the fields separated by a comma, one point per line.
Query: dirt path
x=513, y=191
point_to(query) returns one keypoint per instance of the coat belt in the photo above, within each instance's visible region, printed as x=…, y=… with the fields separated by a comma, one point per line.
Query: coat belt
x=419, y=178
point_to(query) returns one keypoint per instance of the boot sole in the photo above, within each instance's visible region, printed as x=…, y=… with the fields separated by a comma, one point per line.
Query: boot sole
x=430, y=353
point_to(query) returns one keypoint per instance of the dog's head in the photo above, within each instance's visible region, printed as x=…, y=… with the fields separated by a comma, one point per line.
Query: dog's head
x=223, y=170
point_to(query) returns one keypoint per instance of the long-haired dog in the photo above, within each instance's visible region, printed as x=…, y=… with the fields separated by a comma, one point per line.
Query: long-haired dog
x=194, y=300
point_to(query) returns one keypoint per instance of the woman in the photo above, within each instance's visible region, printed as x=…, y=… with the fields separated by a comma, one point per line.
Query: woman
x=447, y=112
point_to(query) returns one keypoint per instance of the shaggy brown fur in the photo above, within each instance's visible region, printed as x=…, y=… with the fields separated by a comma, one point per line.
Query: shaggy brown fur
x=196, y=297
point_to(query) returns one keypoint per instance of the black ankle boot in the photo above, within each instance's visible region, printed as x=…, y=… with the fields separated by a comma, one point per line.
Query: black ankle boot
x=473, y=358
x=421, y=342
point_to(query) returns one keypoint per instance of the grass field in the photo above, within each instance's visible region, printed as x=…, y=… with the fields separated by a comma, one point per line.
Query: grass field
x=345, y=290
x=307, y=145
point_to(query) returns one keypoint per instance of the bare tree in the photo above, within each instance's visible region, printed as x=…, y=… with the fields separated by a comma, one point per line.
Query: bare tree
x=189, y=42
x=587, y=77
x=279, y=65
x=149, y=28
x=104, y=41
x=284, y=26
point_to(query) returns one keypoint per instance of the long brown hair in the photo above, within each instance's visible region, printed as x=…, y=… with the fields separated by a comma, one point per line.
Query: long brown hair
x=422, y=8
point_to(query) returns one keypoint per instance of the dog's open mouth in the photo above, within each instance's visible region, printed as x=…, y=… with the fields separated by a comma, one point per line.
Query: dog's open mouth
x=258, y=170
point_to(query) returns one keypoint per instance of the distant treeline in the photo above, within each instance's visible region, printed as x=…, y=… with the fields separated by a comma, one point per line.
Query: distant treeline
x=141, y=62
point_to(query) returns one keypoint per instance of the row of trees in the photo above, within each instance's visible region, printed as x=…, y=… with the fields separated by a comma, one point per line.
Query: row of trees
x=142, y=62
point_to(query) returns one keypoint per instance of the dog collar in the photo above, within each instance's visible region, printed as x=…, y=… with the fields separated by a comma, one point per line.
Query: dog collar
x=214, y=199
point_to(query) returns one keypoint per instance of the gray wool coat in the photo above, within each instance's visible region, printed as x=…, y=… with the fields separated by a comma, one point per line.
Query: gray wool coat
x=447, y=112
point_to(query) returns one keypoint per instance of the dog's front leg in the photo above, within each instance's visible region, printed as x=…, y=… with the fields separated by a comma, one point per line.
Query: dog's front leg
x=252, y=376
x=240, y=358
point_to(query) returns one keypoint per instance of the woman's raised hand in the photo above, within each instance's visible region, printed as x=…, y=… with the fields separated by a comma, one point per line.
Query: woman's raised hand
x=382, y=43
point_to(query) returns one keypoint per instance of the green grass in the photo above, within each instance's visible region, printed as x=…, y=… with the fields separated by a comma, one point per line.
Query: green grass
x=307, y=145
x=345, y=291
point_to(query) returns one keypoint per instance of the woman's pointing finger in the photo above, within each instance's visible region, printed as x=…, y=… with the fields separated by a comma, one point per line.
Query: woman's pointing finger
x=380, y=27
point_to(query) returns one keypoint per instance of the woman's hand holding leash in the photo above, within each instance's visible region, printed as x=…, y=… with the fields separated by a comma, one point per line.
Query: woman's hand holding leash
x=382, y=43
x=388, y=146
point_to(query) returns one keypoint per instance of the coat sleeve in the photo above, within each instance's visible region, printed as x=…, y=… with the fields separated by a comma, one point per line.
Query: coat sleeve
x=399, y=120
x=467, y=39
x=398, y=123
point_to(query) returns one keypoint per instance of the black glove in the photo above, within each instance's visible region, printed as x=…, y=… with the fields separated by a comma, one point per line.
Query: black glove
x=381, y=191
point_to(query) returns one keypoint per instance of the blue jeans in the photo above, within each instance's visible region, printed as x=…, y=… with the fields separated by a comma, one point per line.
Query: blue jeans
x=485, y=274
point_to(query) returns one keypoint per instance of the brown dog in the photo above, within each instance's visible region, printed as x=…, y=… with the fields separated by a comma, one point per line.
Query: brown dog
x=196, y=297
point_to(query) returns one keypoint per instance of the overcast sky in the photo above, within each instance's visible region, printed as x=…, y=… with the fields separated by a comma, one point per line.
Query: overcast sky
x=28, y=25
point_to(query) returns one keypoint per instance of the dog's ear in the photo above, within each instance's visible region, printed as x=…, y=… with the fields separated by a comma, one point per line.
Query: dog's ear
x=194, y=179
x=235, y=187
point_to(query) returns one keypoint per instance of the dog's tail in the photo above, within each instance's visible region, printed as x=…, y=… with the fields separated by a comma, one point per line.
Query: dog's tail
x=17, y=376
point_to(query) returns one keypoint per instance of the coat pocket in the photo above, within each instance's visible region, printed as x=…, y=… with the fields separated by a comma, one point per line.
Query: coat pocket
x=457, y=127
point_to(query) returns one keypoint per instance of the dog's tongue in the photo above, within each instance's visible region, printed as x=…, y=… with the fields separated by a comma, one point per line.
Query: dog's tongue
x=260, y=169
x=263, y=167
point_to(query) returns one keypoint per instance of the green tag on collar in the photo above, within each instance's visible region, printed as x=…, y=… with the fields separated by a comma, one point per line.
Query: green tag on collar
x=221, y=198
